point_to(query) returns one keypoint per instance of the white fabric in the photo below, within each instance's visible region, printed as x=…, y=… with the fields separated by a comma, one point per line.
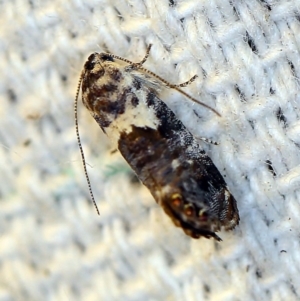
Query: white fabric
x=53, y=245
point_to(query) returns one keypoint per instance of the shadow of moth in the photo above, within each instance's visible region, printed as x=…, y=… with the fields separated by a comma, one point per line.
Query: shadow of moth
x=123, y=98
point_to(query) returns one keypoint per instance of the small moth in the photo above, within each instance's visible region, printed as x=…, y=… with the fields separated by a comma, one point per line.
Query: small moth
x=123, y=98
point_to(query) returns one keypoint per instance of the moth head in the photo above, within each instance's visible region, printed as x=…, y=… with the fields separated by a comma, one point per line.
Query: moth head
x=102, y=65
x=94, y=62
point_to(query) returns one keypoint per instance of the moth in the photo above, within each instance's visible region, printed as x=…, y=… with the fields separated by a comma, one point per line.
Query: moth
x=123, y=98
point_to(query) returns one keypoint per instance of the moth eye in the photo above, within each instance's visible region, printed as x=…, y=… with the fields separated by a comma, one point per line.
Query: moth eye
x=90, y=63
x=106, y=57
x=176, y=200
x=189, y=210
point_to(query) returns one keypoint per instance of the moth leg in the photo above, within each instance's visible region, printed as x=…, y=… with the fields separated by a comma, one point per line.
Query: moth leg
x=208, y=140
x=113, y=151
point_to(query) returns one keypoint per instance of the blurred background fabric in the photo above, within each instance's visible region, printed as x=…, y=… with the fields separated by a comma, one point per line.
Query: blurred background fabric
x=54, y=246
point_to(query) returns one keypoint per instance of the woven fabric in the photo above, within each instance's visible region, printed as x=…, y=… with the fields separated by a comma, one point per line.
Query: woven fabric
x=53, y=245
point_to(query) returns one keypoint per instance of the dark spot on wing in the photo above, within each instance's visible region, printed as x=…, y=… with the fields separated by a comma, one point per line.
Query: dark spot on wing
x=134, y=101
x=150, y=99
x=136, y=84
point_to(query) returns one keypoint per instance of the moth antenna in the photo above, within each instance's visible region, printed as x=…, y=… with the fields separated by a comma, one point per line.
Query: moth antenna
x=176, y=87
x=135, y=65
x=79, y=143
x=145, y=57
x=172, y=86
x=187, y=82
